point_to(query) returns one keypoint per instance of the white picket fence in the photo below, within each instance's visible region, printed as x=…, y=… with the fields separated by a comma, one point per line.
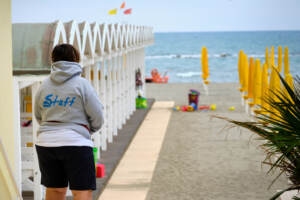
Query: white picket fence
x=111, y=54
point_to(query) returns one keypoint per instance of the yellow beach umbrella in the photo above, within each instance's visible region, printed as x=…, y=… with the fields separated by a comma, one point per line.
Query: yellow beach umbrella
x=272, y=61
x=245, y=74
x=279, y=59
x=240, y=68
x=264, y=87
x=267, y=59
x=257, y=83
x=204, y=61
x=277, y=84
x=275, y=87
x=271, y=81
x=250, y=78
x=286, y=61
x=290, y=82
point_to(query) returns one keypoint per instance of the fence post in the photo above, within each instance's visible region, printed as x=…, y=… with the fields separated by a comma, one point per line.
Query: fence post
x=103, y=98
x=114, y=95
x=95, y=82
x=109, y=100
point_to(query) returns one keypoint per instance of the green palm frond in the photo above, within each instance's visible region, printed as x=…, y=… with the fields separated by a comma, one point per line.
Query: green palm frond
x=279, y=127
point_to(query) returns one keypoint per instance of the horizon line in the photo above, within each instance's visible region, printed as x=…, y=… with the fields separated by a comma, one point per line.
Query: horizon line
x=209, y=31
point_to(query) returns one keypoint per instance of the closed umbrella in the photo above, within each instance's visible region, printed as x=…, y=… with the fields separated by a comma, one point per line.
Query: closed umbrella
x=205, y=72
x=240, y=68
x=245, y=74
x=264, y=87
x=204, y=61
x=286, y=61
x=271, y=81
x=251, y=78
x=275, y=87
x=272, y=61
x=251, y=82
x=257, y=83
x=279, y=59
x=267, y=58
x=290, y=82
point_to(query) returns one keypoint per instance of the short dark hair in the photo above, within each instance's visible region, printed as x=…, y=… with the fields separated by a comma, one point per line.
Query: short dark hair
x=65, y=52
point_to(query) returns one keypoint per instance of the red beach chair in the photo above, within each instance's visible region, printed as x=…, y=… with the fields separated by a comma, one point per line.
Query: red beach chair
x=156, y=78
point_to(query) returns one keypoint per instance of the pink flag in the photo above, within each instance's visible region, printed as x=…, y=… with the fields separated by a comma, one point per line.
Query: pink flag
x=128, y=11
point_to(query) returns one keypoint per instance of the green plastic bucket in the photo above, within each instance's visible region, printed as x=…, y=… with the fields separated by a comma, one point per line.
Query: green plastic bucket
x=95, y=151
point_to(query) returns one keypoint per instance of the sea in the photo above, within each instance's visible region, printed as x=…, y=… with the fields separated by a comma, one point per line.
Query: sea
x=178, y=54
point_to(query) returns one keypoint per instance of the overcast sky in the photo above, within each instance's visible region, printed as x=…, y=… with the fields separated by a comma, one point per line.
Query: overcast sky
x=168, y=15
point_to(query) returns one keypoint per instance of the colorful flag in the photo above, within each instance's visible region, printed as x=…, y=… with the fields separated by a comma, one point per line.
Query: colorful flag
x=123, y=5
x=113, y=12
x=128, y=11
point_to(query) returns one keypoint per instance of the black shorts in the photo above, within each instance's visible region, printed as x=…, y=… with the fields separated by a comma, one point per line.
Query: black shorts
x=73, y=165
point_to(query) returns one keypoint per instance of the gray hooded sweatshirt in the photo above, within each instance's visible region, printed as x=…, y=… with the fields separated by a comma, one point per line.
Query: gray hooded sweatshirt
x=65, y=100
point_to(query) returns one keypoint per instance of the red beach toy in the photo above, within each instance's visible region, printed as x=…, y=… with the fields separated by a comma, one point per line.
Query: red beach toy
x=204, y=107
x=100, y=170
x=184, y=108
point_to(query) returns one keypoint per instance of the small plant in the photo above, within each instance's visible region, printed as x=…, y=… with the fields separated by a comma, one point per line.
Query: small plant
x=279, y=127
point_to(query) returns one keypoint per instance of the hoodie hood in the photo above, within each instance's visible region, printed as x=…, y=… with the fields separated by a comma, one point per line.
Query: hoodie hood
x=62, y=71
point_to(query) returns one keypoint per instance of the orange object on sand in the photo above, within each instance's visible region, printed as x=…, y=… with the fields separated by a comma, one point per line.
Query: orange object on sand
x=157, y=78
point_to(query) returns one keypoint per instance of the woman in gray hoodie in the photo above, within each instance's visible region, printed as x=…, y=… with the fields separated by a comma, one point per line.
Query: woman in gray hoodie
x=68, y=111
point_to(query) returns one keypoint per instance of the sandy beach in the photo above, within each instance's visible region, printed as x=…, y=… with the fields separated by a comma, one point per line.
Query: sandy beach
x=199, y=159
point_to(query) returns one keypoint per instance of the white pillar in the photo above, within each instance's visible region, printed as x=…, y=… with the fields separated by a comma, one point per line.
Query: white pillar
x=95, y=82
x=119, y=91
x=123, y=87
x=114, y=96
x=17, y=133
x=130, y=69
x=143, y=70
x=103, y=98
x=127, y=84
x=132, y=81
x=36, y=172
x=109, y=100
x=87, y=71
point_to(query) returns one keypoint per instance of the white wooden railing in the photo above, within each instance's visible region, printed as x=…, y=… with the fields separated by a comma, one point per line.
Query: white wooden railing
x=110, y=56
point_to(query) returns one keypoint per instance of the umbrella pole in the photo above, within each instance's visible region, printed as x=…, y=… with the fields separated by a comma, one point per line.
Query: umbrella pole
x=205, y=88
x=246, y=107
x=242, y=99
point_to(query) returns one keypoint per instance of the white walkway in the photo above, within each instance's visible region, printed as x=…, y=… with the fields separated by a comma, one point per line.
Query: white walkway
x=131, y=179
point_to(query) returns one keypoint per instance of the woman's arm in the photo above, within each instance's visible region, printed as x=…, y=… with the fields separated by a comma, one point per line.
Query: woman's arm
x=37, y=109
x=93, y=108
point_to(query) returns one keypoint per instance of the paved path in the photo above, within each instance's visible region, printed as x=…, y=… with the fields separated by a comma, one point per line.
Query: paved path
x=131, y=179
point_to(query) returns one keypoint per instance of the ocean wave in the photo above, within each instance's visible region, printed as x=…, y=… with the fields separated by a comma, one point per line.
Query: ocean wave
x=198, y=56
x=188, y=74
x=186, y=56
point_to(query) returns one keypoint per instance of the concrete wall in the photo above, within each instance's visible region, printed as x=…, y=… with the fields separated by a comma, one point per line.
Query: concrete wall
x=6, y=98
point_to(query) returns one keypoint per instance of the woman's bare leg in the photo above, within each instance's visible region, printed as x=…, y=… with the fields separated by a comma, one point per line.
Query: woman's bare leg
x=56, y=193
x=82, y=194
